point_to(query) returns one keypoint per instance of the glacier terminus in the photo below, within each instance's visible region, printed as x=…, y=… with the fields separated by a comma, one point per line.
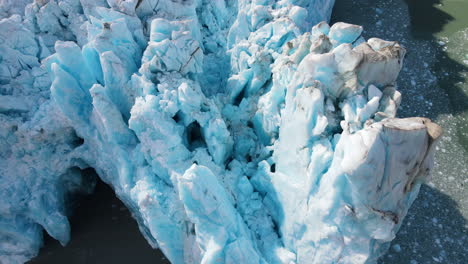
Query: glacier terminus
x=247, y=131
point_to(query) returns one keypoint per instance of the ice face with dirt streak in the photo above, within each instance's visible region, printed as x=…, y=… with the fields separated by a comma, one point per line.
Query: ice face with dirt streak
x=234, y=131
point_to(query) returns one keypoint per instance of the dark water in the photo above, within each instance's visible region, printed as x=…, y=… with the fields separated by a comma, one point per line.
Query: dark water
x=103, y=232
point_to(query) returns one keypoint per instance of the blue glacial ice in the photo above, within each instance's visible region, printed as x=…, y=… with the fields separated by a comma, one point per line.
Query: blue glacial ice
x=234, y=131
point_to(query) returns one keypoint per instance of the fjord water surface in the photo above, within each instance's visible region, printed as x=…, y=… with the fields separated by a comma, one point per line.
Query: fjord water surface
x=103, y=231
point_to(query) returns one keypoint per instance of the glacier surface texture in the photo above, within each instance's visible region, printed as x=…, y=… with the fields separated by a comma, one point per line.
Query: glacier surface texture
x=244, y=131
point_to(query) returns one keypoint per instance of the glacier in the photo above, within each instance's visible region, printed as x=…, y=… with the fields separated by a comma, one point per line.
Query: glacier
x=245, y=131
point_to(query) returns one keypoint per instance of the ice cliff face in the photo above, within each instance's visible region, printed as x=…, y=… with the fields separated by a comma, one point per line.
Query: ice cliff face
x=232, y=130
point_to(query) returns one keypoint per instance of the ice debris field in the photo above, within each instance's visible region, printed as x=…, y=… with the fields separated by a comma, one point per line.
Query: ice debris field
x=234, y=131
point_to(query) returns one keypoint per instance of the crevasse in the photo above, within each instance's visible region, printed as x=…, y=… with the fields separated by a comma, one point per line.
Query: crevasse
x=234, y=131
